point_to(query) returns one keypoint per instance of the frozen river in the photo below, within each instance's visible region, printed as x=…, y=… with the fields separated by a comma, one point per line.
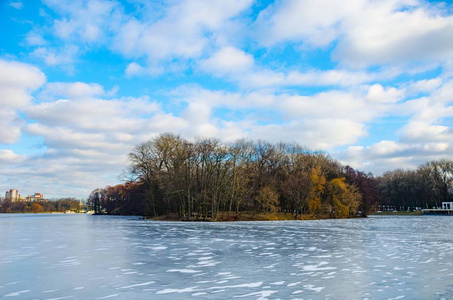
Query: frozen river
x=102, y=257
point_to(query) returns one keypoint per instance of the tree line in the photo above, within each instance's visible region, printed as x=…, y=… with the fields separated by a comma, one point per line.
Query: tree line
x=60, y=205
x=170, y=175
x=426, y=187
x=197, y=181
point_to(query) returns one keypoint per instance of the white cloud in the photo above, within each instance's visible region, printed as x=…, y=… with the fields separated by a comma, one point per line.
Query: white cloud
x=426, y=135
x=20, y=76
x=11, y=126
x=429, y=121
x=318, y=134
x=367, y=32
x=377, y=93
x=391, y=34
x=64, y=57
x=186, y=30
x=324, y=120
x=134, y=69
x=8, y=156
x=34, y=39
x=228, y=60
x=423, y=86
x=85, y=21
x=80, y=25
x=16, y=4
x=17, y=81
x=424, y=131
x=316, y=23
x=74, y=90
x=90, y=114
x=363, y=105
x=86, y=140
x=237, y=66
x=389, y=155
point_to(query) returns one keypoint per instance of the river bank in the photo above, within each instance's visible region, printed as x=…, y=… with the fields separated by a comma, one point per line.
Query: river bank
x=243, y=216
x=397, y=213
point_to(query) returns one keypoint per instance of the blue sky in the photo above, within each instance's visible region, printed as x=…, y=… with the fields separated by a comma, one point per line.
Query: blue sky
x=82, y=82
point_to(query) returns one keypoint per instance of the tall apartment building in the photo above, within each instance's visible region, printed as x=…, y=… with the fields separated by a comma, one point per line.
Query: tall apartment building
x=12, y=195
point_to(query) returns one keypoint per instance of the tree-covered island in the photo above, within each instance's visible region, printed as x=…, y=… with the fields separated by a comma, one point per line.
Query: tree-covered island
x=172, y=178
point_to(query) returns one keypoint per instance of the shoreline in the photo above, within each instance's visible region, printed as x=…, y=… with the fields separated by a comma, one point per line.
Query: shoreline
x=246, y=217
x=397, y=213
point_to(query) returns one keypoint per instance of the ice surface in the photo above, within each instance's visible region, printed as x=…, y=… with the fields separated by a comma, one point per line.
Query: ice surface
x=102, y=257
x=138, y=284
x=108, y=296
x=15, y=294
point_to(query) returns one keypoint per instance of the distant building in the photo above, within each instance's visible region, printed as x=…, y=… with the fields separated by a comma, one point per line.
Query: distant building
x=12, y=195
x=445, y=209
x=34, y=197
x=447, y=205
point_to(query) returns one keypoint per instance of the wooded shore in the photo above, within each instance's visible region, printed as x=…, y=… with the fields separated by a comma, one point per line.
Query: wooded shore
x=202, y=179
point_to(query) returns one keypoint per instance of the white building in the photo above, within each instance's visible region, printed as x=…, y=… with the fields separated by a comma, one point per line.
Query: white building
x=447, y=205
x=12, y=195
x=34, y=197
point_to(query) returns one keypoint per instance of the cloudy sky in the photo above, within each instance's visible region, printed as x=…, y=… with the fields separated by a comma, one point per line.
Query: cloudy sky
x=82, y=82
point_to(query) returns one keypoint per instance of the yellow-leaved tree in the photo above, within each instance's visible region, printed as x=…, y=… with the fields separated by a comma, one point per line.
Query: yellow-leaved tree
x=317, y=186
x=344, y=198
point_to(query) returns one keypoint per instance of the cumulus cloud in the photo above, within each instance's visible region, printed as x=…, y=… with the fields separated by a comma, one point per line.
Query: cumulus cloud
x=429, y=121
x=134, y=69
x=186, y=30
x=363, y=33
x=128, y=115
x=17, y=81
x=315, y=23
x=426, y=135
x=87, y=139
x=366, y=32
x=85, y=21
x=317, y=134
x=8, y=156
x=394, y=34
x=64, y=57
x=324, y=120
x=228, y=60
x=79, y=25
x=387, y=155
x=237, y=66
x=71, y=90
x=423, y=86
